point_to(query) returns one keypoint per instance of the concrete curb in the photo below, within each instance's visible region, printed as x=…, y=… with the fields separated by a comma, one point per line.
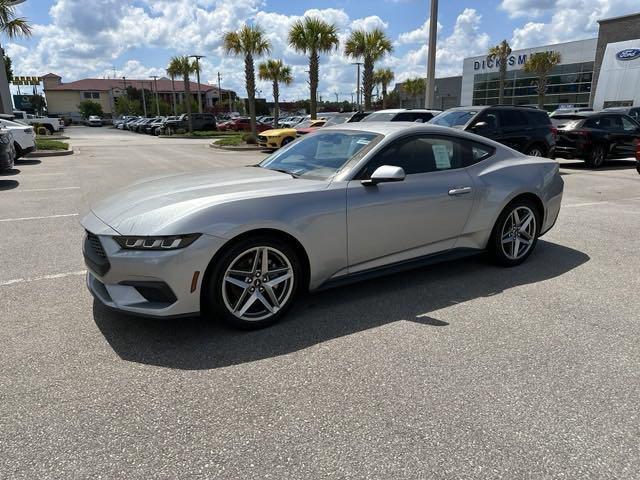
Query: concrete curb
x=49, y=153
x=236, y=149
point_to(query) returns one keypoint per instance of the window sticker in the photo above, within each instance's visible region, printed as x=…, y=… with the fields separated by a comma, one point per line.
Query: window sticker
x=441, y=154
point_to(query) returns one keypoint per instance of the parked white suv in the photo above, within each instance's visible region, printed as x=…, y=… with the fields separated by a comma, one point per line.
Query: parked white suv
x=24, y=137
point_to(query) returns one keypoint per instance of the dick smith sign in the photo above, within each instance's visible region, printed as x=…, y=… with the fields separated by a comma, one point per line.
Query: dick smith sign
x=490, y=64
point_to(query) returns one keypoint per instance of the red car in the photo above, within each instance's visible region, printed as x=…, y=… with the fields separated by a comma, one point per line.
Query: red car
x=242, y=124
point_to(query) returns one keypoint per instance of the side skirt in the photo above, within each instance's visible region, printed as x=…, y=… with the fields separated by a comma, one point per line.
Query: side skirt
x=419, y=262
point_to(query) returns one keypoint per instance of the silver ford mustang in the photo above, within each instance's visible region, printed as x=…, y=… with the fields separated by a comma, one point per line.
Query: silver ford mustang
x=340, y=204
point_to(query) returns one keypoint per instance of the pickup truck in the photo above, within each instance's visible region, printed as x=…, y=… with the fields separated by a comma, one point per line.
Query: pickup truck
x=201, y=121
x=51, y=124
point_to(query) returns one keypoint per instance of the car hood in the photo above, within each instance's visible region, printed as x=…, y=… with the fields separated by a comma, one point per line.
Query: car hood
x=276, y=132
x=162, y=206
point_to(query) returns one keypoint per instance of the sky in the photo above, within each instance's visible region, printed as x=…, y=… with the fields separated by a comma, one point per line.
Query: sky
x=135, y=38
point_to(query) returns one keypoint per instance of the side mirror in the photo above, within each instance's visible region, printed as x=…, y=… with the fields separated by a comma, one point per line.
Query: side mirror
x=385, y=174
x=480, y=126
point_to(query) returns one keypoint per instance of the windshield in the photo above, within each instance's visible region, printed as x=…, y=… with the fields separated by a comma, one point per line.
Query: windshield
x=337, y=120
x=379, y=117
x=320, y=155
x=453, y=118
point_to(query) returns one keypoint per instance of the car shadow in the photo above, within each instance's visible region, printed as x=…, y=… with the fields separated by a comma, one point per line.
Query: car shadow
x=197, y=343
x=8, y=184
x=9, y=173
x=608, y=165
x=30, y=161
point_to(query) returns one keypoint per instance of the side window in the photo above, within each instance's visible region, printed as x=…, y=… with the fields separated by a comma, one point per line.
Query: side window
x=635, y=113
x=475, y=152
x=425, y=117
x=513, y=119
x=628, y=125
x=490, y=118
x=417, y=154
x=404, y=117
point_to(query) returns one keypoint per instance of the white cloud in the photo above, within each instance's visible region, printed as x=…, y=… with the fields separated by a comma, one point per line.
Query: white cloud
x=526, y=8
x=570, y=20
x=419, y=35
x=369, y=23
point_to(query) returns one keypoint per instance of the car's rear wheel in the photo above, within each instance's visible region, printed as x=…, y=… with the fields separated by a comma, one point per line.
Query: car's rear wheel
x=254, y=282
x=515, y=234
x=18, y=149
x=535, y=151
x=597, y=156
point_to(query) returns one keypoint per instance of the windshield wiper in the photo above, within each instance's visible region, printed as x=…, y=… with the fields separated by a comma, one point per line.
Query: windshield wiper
x=282, y=170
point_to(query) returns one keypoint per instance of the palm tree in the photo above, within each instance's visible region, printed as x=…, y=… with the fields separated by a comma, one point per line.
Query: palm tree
x=275, y=71
x=370, y=47
x=500, y=54
x=11, y=25
x=313, y=36
x=383, y=77
x=249, y=41
x=183, y=66
x=414, y=86
x=541, y=65
x=173, y=74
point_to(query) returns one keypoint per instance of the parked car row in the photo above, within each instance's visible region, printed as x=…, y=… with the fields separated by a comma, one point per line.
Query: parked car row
x=166, y=125
x=16, y=140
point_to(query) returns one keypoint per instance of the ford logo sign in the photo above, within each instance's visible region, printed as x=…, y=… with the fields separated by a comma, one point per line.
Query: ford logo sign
x=628, y=54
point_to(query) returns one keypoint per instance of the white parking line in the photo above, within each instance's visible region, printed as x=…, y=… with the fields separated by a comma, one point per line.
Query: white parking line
x=38, y=218
x=44, y=277
x=43, y=189
x=601, y=202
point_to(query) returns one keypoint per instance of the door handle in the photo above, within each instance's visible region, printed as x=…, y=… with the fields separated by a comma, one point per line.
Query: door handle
x=459, y=191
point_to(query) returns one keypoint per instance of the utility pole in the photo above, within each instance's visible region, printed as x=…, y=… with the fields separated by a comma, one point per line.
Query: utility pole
x=144, y=99
x=219, y=90
x=358, y=89
x=155, y=83
x=431, y=57
x=198, y=57
x=337, y=97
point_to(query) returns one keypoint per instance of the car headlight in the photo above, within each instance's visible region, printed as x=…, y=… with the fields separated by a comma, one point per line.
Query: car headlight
x=173, y=242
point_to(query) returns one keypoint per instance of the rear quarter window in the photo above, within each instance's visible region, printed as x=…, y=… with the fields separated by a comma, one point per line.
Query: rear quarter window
x=539, y=118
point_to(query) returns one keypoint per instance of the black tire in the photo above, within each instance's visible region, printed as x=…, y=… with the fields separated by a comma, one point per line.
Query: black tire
x=50, y=128
x=501, y=250
x=18, y=150
x=286, y=141
x=536, y=151
x=219, y=303
x=597, y=156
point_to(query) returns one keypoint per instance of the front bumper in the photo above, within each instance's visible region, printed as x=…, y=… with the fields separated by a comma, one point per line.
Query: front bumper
x=147, y=283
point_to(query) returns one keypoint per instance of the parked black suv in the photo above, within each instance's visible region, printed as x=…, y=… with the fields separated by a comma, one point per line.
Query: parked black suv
x=201, y=121
x=595, y=137
x=525, y=129
x=633, y=112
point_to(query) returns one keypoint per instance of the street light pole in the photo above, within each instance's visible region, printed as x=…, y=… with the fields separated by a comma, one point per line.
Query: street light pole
x=431, y=57
x=155, y=83
x=144, y=99
x=198, y=57
x=358, y=90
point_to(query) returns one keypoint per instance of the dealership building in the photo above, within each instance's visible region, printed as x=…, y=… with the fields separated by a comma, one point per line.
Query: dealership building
x=598, y=72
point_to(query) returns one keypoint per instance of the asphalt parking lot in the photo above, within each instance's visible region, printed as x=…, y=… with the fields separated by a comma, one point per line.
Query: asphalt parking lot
x=460, y=370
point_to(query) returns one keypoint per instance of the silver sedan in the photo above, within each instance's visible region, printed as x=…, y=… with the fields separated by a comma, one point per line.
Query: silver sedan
x=343, y=203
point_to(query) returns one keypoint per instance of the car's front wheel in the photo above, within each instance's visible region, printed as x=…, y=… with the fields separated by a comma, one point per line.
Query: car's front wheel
x=596, y=156
x=254, y=282
x=515, y=234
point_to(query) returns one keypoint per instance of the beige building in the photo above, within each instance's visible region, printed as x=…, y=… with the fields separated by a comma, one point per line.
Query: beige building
x=63, y=98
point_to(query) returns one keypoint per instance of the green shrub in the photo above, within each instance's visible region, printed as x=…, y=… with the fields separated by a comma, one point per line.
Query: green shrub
x=230, y=141
x=181, y=131
x=43, y=131
x=45, y=144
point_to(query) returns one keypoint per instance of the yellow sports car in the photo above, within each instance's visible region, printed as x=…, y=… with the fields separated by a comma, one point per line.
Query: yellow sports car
x=279, y=137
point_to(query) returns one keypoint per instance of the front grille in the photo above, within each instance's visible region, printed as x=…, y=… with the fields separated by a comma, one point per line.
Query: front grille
x=262, y=138
x=94, y=241
x=94, y=255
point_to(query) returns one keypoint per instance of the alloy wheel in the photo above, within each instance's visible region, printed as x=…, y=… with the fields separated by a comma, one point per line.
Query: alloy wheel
x=518, y=233
x=257, y=283
x=535, y=152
